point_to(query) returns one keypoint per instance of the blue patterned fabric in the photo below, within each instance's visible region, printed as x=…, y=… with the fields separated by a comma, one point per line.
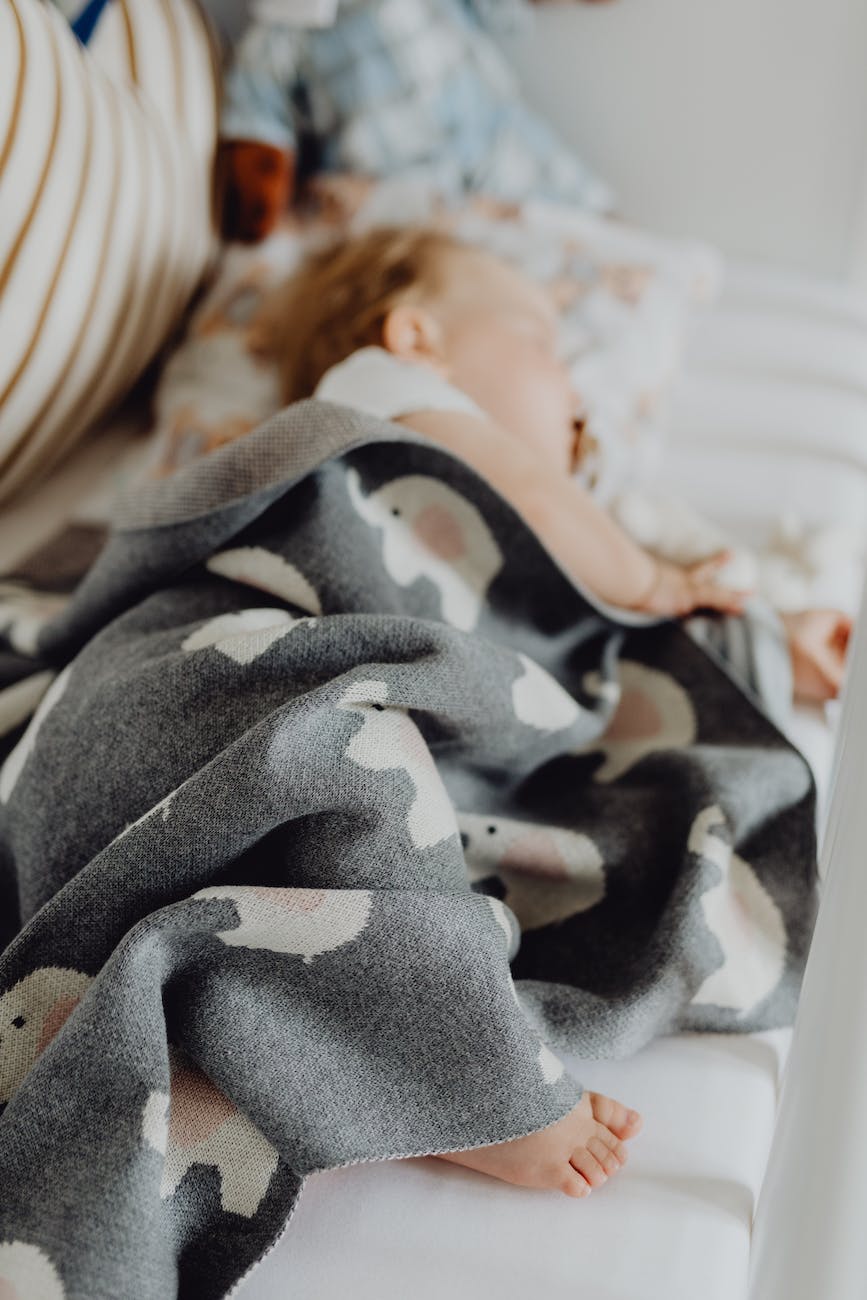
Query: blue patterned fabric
x=404, y=85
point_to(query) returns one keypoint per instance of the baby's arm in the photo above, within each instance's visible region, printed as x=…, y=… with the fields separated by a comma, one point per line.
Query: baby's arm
x=585, y=540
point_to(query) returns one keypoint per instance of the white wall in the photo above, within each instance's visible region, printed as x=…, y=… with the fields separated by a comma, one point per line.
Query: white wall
x=742, y=121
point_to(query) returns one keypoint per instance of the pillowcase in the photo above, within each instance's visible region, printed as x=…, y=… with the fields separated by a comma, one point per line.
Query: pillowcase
x=626, y=298
x=106, y=223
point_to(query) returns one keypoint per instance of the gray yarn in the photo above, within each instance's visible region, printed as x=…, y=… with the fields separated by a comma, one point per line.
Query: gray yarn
x=283, y=868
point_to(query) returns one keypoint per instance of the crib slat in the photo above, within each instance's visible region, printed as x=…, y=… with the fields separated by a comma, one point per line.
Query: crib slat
x=809, y=1238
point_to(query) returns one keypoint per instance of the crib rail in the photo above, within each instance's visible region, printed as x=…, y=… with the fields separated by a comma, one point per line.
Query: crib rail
x=809, y=1237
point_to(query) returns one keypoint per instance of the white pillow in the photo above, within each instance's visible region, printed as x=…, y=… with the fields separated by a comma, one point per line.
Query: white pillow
x=106, y=159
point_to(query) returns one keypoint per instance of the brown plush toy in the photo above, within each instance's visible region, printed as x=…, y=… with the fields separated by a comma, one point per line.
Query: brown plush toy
x=258, y=183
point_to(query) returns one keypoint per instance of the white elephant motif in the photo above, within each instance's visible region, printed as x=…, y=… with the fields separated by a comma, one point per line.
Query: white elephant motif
x=741, y=914
x=550, y=873
x=551, y=1066
x=26, y=1273
x=299, y=922
x=390, y=740
x=258, y=567
x=654, y=714
x=195, y=1124
x=540, y=701
x=430, y=531
x=244, y=636
x=31, y=1013
x=12, y=768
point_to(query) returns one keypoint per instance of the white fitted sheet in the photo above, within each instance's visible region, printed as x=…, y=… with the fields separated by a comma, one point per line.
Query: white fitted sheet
x=674, y=1225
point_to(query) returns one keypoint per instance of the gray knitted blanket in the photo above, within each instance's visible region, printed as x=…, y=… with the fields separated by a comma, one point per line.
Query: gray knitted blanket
x=342, y=810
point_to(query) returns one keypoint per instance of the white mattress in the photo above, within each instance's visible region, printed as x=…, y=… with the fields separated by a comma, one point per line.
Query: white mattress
x=673, y=1225
x=771, y=414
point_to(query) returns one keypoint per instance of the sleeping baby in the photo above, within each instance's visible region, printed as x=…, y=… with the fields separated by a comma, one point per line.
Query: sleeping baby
x=416, y=326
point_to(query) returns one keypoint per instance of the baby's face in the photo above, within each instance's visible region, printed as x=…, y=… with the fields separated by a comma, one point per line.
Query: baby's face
x=500, y=346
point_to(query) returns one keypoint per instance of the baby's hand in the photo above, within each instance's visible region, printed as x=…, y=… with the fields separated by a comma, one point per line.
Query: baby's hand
x=680, y=589
x=818, y=640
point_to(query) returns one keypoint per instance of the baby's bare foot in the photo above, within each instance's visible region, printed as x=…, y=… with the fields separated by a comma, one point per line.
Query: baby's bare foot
x=581, y=1151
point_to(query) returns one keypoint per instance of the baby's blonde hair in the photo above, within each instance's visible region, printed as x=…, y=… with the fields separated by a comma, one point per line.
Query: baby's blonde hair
x=339, y=298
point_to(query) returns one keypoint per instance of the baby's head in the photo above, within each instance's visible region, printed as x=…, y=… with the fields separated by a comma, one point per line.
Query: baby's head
x=433, y=300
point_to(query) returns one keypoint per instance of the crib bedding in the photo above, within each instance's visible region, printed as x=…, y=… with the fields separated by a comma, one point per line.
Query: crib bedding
x=677, y=1222
x=771, y=405
x=691, y=1217
x=272, y=848
x=674, y=1225
x=777, y=339
x=761, y=284
x=771, y=411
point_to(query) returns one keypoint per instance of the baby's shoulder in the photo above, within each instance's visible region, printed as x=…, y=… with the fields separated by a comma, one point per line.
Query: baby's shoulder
x=375, y=381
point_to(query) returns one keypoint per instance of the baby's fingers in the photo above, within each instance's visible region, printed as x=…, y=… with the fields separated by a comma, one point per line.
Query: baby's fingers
x=710, y=595
x=705, y=569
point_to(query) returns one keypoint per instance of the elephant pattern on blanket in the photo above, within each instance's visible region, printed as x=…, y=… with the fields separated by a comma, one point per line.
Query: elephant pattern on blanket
x=342, y=812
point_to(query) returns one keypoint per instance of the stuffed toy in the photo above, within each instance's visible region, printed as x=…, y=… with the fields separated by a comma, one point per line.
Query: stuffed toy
x=383, y=88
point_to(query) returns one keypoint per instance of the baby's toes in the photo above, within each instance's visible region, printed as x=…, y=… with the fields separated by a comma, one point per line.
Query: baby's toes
x=622, y=1122
x=619, y=1149
x=585, y=1162
x=574, y=1183
x=608, y=1155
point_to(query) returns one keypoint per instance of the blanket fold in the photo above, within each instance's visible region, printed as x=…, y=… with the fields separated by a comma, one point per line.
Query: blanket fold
x=341, y=812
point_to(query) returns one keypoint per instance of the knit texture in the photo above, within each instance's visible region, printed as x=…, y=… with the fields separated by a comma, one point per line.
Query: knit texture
x=341, y=811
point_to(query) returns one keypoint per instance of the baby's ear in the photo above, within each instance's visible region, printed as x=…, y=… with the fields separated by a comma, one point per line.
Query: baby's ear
x=413, y=333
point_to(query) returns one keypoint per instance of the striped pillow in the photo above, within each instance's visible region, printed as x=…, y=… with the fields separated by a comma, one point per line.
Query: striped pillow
x=105, y=210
